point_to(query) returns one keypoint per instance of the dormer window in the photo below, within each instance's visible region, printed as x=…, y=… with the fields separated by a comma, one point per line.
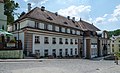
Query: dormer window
x=49, y=18
x=76, y=25
x=65, y=23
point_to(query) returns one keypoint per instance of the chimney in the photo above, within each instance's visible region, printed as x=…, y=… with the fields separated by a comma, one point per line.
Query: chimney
x=42, y=8
x=80, y=19
x=29, y=7
x=56, y=13
x=73, y=18
x=68, y=17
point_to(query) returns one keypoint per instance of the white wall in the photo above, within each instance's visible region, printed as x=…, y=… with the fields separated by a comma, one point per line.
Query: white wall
x=41, y=46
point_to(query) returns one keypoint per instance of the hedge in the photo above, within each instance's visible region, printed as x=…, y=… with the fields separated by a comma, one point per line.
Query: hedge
x=11, y=54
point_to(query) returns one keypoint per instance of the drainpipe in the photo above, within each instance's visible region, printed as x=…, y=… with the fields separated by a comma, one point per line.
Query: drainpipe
x=18, y=32
x=83, y=46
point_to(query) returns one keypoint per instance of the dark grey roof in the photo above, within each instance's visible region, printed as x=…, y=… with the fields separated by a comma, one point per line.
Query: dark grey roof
x=87, y=26
x=50, y=17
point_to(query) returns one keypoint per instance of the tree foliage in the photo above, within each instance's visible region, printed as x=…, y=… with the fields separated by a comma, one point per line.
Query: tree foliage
x=115, y=32
x=10, y=7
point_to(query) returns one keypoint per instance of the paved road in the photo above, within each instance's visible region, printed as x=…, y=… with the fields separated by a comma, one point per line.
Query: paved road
x=60, y=66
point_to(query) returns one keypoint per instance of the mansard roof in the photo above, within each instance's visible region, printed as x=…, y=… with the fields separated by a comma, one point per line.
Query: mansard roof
x=1, y=1
x=50, y=17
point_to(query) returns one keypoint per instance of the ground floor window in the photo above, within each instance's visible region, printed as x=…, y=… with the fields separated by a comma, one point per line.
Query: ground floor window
x=54, y=52
x=66, y=52
x=71, y=51
x=60, y=52
x=75, y=51
x=46, y=53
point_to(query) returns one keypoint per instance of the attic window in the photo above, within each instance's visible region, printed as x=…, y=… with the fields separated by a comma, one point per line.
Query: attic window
x=76, y=25
x=49, y=18
x=65, y=23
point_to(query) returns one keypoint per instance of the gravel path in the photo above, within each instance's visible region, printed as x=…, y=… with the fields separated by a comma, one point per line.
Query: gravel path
x=60, y=66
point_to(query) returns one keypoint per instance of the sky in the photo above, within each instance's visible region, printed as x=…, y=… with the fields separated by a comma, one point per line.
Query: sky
x=104, y=14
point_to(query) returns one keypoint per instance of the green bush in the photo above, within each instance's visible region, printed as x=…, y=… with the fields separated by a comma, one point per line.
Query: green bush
x=11, y=54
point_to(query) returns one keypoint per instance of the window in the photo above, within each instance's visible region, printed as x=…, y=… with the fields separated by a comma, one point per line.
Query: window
x=46, y=53
x=119, y=45
x=54, y=40
x=36, y=25
x=60, y=52
x=65, y=30
x=112, y=45
x=75, y=51
x=71, y=51
x=46, y=40
x=65, y=23
x=71, y=41
x=113, y=41
x=119, y=41
x=76, y=41
x=66, y=41
x=60, y=29
x=66, y=52
x=45, y=26
x=75, y=32
x=60, y=41
x=71, y=31
x=54, y=52
x=53, y=27
x=49, y=18
x=112, y=49
x=15, y=38
x=37, y=39
x=15, y=26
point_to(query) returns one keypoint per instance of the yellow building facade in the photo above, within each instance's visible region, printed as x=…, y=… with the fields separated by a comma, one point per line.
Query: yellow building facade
x=115, y=44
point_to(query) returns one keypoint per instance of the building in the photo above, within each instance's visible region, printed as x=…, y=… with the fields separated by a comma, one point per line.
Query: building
x=3, y=18
x=115, y=43
x=103, y=43
x=89, y=39
x=53, y=35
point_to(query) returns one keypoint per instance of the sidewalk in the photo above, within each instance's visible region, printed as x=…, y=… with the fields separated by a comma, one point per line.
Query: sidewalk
x=21, y=60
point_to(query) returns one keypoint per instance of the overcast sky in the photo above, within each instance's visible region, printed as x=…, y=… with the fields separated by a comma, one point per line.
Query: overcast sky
x=105, y=14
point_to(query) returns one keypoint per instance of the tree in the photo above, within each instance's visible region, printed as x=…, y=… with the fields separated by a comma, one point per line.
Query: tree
x=10, y=7
x=115, y=32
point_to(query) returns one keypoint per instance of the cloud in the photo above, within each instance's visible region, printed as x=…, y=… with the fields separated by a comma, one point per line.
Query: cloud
x=37, y=2
x=99, y=19
x=115, y=16
x=75, y=11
